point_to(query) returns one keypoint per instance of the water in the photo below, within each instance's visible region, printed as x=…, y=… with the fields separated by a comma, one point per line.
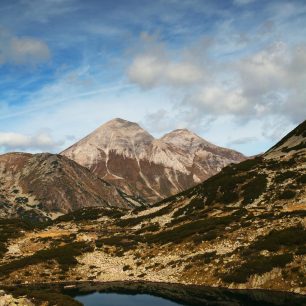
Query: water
x=157, y=294
x=117, y=299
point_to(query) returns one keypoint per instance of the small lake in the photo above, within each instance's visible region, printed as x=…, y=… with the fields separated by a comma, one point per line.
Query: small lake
x=158, y=294
x=118, y=299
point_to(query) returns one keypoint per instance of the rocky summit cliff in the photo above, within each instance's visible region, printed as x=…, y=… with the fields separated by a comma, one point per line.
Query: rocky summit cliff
x=242, y=228
x=42, y=186
x=123, y=153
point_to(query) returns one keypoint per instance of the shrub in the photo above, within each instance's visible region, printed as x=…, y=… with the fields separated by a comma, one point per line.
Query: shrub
x=285, y=176
x=289, y=237
x=21, y=200
x=86, y=214
x=126, y=267
x=302, y=179
x=254, y=188
x=9, y=229
x=256, y=265
x=64, y=255
x=287, y=194
x=199, y=227
x=205, y=257
x=121, y=242
x=248, y=164
x=301, y=250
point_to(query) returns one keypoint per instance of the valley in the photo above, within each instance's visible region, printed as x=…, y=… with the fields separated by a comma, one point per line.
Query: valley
x=244, y=228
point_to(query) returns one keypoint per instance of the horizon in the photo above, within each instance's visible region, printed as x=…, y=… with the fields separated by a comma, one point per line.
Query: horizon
x=231, y=71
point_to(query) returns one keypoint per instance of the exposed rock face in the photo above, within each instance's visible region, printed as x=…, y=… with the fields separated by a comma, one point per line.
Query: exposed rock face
x=242, y=228
x=123, y=153
x=37, y=184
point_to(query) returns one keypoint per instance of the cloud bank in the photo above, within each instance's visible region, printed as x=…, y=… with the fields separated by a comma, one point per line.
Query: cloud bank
x=22, y=50
x=258, y=85
x=40, y=141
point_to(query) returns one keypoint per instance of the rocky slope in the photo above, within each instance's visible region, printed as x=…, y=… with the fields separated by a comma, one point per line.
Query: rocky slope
x=124, y=154
x=46, y=185
x=243, y=228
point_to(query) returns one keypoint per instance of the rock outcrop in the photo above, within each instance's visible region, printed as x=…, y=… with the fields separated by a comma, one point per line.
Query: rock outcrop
x=47, y=185
x=123, y=153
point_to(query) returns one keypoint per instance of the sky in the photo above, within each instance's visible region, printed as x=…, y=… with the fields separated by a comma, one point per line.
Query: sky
x=232, y=71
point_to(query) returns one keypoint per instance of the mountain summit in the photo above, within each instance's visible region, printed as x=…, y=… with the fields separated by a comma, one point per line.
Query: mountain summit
x=125, y=154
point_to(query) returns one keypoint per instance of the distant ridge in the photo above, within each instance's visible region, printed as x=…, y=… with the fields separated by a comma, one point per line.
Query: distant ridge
x=43, y=186
x=125, y=154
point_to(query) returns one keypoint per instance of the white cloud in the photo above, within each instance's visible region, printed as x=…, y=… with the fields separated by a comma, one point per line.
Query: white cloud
x=15, y=141
x=268, y=83
x=151, y=70
x=217, y=101
x=22, y=50
x=262, y=85
x=156, y=66
x=274, y=81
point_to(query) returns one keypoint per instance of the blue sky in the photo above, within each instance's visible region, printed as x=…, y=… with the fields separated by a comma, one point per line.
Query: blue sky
x=232, y=71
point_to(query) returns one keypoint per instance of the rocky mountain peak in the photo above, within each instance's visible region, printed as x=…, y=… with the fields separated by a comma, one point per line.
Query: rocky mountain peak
x=117, y=130
x=125, y=154
x=120, y=123
x=186, y=139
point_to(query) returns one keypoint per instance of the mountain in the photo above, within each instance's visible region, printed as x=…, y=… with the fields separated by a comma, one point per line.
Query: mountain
x=47, y=185
x=123, y=153
x=242, y=228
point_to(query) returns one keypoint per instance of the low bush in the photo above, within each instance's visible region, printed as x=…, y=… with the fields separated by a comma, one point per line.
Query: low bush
x=64, y=255
x=88, y=213
x=254, y=188
x=199, y=227
x=288, y=237
x=256, y=265
x=205, y=257
x=10, y=229
x=302, y=179
x=287, y=194
x=285, y=176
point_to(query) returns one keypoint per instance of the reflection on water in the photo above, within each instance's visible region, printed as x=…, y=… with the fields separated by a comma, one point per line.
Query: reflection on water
x=117, y=299
x=159, y=294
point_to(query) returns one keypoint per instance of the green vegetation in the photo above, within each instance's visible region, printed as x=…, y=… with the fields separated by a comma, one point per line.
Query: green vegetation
x=280, y=178
x=134, y=221
x=302, y=179
x=86, y=214
x=122, y=243
x=300, y=146
x=254, y=188
x=10, y=229
x=276, y=239
x=153, y=227
x=22, y=200
x=126, y=268
x=256, y=265
x=202, y=229
x=287, y=194
x=204, y=258
x=300, y=130
x=248, y=164
x=301, y=250
x=289, y=239
x=64, y=255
